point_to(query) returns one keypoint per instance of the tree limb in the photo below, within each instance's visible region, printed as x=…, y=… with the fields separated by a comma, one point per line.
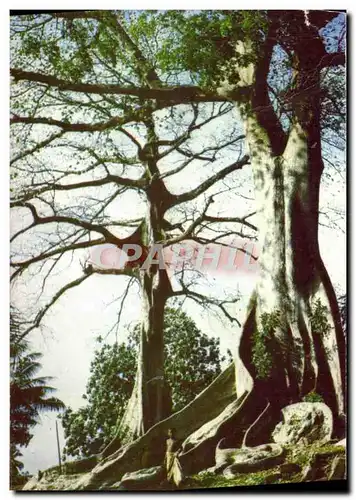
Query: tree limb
x=190, y=195
x=72, y=127
x=203, y=299
x=134, y=183
x=171, y=95
x=240, y=220
x=38, y=146
x=59, y=250
x=109, y=237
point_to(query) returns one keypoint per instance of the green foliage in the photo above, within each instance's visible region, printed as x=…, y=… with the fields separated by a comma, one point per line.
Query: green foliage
x=192, y=361
x=261, y=356
x=183, y=47
x=313, y=397
x=112, y=375
x=318, y=316
x=18, y=477
x=200, y=42
x=29, y=395
x=174, y=42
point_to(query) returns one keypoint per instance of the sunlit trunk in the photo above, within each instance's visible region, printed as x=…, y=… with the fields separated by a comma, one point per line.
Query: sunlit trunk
x=292, y=279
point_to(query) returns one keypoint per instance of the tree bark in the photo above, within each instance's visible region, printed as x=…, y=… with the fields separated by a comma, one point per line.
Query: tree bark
x=151, y=400
x=287, y=170
x=292, y=277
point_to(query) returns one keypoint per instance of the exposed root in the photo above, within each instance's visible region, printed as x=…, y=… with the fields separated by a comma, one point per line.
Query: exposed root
x=148, y=450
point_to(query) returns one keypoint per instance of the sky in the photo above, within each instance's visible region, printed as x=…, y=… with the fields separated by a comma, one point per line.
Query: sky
x=68, y=337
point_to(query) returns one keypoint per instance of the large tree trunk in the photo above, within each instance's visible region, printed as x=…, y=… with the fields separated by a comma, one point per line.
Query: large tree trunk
x=292, y=278
x=305, y=351
x=148, y=450
x=150, y=400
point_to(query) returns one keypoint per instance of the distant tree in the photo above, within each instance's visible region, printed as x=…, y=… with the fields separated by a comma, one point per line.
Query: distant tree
x=29, y=395
x=112, y=376
x=193, y=360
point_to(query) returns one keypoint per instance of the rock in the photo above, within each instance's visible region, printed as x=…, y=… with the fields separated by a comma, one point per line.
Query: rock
x=142, y=478
x=325, y=463
x=31, y=484
x=303, y=424
x=240, y=460
x=290, y=469
x=338, y=469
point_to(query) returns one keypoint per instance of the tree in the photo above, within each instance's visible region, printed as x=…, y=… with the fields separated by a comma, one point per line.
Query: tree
x=29, y=395
x=192, y=361
x=121, y=149
x=112, y=377
x=273, y=66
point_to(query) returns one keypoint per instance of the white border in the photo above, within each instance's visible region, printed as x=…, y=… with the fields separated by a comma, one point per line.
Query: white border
x=4, y=212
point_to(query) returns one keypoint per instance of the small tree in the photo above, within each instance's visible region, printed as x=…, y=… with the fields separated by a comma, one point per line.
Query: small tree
x=192, y=361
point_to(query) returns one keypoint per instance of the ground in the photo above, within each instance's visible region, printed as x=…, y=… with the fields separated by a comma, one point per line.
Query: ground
x=318, y=458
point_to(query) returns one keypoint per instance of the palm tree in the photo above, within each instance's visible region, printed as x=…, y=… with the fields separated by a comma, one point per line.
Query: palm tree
x=29, y=395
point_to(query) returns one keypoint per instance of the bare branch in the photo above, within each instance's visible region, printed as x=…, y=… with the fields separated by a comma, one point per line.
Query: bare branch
x=73, y=127
x=57, y=296
x=122, y=299
x=108, y=236
x=190, y=195
x=127, y=271
x=59, y=250
x=171, y=95
x=204, y=300
x=38, y=146
x=115, y=179
x=240, y=220
x=190, y=230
